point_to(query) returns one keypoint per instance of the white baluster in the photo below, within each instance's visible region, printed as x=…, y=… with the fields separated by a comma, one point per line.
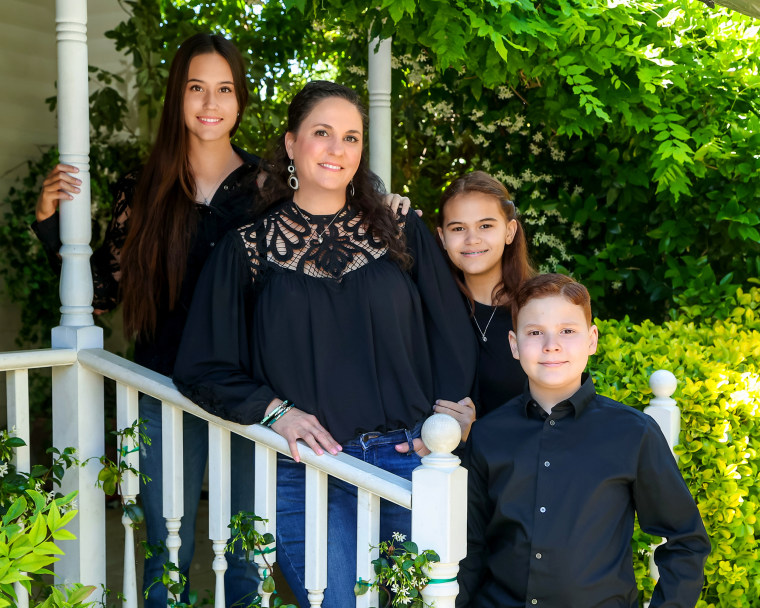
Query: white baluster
x=127, y=412
x=219, y=503
x=316, y=536
x=367, y=535
x=17, y=389
x=265, y=506
x=439, y=508
x=171, y=432
x=380, y=127
x=667, y=415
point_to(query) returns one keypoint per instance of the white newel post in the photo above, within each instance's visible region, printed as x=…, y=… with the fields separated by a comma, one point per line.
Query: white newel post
x=77, y=393
x=664, y=410
x=439, y=508
x=380, y=128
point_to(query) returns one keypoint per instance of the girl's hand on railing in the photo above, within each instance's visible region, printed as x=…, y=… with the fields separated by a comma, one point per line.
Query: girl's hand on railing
x=58, y=186
x=297, y=424
x=463, y=411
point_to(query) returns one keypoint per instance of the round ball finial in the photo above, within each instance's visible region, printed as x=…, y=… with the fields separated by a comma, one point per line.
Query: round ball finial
x=441, y=433
x=663, y=383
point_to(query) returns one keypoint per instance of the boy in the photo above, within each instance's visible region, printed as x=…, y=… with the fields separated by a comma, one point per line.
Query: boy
x=556, y=475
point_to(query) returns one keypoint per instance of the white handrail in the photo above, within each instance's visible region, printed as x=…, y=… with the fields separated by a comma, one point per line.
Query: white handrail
x=360, y=474
x=35, y=359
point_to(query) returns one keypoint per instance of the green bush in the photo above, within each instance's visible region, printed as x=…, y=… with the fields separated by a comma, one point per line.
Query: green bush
x=717, y=364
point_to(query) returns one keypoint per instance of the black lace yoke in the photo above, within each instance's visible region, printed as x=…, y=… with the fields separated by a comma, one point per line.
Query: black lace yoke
x=335, y=326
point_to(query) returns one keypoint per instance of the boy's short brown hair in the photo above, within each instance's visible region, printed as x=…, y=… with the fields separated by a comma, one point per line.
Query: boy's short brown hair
x=545, y=285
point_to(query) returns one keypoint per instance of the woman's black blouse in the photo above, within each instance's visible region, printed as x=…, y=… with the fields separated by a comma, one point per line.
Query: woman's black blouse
x=500, y=375
x=336, y=327
x=231, y=207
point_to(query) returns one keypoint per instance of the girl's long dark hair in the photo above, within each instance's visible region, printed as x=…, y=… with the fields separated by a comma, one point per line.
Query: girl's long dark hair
x=516, y=266
x=163, y=217
x=368, y=189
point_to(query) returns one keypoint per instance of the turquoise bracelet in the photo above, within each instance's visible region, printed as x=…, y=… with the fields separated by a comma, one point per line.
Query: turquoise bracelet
x=276, y=413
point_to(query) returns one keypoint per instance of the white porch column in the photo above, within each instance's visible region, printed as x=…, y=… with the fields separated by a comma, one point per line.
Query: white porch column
x=380, y=128
x=77, y=393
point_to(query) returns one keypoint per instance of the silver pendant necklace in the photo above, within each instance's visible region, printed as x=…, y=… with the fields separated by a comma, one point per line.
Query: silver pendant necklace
x=474, y=318
x=320, y=235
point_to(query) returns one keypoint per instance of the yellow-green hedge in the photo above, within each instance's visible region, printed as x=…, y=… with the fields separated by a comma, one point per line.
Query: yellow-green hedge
x=717, y=363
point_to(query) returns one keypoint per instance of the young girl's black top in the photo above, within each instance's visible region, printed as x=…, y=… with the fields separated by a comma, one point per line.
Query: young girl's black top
x=230, y=208
x=500, y=375
x=336, y=326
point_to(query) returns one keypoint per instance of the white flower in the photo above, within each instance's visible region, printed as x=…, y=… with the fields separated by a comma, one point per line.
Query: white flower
x=538, y=137
x=399, y=537
x=534, y=149
x=578, y=190
x=616, y=285
x=3, y=469
x=535, y=194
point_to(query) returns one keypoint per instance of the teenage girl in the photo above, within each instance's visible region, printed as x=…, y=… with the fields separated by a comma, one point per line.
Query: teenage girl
x=167, y=218
x=486, y=246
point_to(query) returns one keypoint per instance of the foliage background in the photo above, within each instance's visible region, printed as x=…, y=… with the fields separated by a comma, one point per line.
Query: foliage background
x=628, y=133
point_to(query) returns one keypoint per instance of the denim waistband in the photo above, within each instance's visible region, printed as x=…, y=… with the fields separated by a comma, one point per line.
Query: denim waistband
x=379, y=438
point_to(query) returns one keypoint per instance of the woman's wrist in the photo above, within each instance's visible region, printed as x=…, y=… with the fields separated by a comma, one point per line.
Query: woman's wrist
x=274, y=414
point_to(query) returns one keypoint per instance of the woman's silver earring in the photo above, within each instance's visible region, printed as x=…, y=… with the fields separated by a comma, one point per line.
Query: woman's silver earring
x=293, y=179
x=353, y=191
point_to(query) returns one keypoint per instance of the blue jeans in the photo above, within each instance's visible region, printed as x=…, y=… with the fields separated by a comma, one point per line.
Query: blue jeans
x=241, y=579
x=374, y=448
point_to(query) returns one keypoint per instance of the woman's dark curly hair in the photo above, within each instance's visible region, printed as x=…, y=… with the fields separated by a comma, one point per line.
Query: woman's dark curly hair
x=368, y=192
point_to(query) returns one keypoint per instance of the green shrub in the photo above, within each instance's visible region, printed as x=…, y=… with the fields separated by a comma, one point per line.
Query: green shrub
x=717, y=363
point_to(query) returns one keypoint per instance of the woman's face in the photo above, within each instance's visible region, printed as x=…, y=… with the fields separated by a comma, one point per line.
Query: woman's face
x=475, y=232
x=209, y=103
x=327, y=147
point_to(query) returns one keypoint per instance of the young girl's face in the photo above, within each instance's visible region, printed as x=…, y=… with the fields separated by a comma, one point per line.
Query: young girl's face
x=474, y=234
x=209, y=103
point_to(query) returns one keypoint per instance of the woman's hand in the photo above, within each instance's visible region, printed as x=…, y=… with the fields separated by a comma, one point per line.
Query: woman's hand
x=297, y=424
x=463, y=411
x=58, y=186
x=400, y=204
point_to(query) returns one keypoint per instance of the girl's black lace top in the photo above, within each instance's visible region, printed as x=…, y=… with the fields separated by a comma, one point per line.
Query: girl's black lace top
x=230, y=208
x=335, y=326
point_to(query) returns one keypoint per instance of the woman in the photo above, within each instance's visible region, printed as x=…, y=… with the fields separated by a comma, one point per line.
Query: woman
x=486, y=245
x=167, y=218
x=331, y=321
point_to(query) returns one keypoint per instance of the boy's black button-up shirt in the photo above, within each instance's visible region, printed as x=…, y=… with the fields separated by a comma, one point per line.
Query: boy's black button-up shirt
x=551, y=508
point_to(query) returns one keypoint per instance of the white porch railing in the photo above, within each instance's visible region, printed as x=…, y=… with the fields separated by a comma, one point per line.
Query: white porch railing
x=436, y=495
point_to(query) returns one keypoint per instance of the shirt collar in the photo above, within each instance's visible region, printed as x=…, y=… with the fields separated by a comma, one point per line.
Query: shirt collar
x=578, y=401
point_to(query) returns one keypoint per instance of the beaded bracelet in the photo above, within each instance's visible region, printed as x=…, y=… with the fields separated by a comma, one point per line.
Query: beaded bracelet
x=280, y=414
x=277, y=413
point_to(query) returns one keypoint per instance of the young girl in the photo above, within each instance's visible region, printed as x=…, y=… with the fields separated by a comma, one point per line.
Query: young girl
x=485, y=243
x=166, y=220
x=330, y=321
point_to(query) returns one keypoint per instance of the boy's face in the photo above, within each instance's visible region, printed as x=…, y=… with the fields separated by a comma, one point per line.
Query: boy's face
x=553, y=343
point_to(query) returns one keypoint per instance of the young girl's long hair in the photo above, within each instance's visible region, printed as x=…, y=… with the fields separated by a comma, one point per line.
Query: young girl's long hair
x=366, y=194
x=516, y=266
x=163, y=217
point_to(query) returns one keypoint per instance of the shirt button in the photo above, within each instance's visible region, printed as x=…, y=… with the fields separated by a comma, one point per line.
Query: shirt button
x=538, y=556
x=546, y=464
x=543, y=509
x=226, y=187
x=552, y=422
x=213, y=243
x=534, y=601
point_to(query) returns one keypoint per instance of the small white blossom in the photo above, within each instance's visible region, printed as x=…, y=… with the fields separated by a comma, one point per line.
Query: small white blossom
x=577, y=191
x=357, y=70
x=535, y=150
x=399, y=537
x=616, y=285
x=538, y=137
x=3, y=469
x=504, y=93
x=576, y=231
x=535, y=194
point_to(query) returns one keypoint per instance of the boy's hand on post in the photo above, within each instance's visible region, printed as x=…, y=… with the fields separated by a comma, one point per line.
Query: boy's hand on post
x=463, y=411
